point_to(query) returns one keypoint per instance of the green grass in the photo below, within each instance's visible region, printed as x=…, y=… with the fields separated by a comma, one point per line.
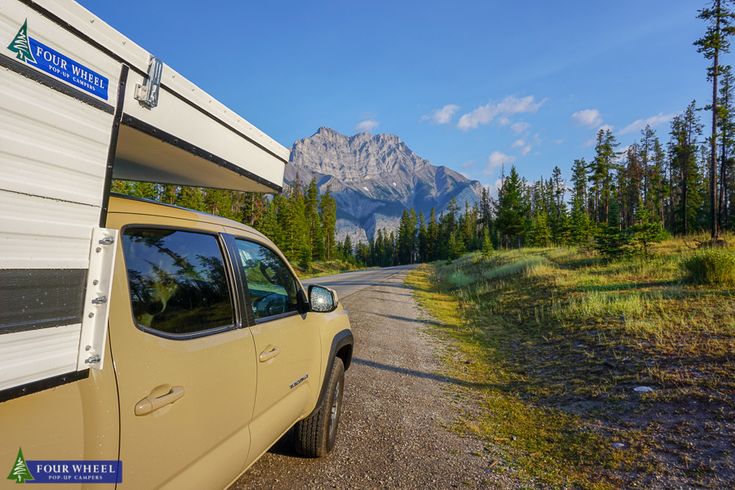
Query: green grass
x=553, y=341
x=713, y=266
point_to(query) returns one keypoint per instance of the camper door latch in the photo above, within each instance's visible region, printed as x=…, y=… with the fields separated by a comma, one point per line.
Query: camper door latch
x=147, y=94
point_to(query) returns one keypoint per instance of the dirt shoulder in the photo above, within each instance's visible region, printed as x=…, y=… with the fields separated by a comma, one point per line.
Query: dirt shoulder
x=396, y=428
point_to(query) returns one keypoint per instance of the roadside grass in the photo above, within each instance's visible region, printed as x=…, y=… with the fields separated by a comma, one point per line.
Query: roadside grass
x=555, y=340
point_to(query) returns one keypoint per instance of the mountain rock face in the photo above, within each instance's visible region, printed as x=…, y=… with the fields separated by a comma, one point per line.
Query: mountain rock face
x=374, y=178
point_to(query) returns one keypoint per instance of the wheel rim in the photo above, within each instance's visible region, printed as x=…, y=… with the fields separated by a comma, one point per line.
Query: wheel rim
x=334, y=410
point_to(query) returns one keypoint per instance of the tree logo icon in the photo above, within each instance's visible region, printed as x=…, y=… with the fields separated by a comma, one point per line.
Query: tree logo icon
x=20, y=472
x=20, y=45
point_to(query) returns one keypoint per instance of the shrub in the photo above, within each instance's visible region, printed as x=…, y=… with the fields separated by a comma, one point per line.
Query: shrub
x=459, y=279
x=711, y=266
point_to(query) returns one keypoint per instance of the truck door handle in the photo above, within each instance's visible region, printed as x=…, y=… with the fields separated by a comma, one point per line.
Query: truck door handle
x=151, y=403
x=269, y=353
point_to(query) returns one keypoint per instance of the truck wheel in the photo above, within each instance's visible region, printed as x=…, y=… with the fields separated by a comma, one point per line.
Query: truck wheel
x=314, y=436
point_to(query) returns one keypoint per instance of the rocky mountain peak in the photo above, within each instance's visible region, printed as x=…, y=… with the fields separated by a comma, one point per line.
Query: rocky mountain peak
x=374, y=178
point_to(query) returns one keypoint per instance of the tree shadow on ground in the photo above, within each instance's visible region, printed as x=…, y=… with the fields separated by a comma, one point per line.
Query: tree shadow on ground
x=422, y=374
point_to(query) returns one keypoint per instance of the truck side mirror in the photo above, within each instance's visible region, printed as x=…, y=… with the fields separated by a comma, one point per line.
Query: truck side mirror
x=321, y=299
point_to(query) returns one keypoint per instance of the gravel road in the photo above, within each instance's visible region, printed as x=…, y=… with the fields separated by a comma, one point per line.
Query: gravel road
x=395, y=427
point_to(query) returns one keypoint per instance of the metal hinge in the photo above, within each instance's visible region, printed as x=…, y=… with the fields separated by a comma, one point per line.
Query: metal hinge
x=92, y=359
x=147, y=94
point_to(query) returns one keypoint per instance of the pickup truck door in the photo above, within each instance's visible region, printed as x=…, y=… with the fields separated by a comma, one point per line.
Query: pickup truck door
x=185, y=369
x=286, y=342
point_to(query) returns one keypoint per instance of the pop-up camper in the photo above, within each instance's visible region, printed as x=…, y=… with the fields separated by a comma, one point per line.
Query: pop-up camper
x=80, y=105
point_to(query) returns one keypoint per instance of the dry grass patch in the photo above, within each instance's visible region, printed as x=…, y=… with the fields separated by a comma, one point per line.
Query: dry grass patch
x=556, y=341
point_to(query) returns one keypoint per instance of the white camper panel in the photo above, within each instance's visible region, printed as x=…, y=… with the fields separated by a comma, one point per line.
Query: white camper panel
x=224, y=150
x=53, y=157
x=63, y=136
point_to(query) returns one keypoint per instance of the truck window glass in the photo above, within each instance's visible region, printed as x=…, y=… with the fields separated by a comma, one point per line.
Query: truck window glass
x=271, y=285
x=177, y=280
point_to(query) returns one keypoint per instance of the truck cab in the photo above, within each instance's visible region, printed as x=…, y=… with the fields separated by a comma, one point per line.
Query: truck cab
x=216, y=351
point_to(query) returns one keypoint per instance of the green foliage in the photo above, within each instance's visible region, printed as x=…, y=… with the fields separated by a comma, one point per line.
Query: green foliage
x=512, y=210
x=644, y=232
x=487, y=243
x=714, y=267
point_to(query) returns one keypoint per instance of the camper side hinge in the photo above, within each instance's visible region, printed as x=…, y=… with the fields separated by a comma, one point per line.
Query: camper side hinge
x=147, y=94
x=96, y=301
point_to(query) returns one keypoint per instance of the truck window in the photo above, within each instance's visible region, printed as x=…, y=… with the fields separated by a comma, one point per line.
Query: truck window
x=177, y=280
x=271, y=286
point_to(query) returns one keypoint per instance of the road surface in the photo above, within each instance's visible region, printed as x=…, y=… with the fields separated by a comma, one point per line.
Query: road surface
x=351, y=282
x=395, y=429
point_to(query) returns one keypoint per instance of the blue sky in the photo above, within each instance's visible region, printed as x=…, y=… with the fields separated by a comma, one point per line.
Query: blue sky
x=467, y=84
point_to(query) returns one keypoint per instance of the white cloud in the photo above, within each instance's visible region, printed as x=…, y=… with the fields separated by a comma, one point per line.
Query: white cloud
x=588, y=117
x=443, y=115
x=510, y=105
x=498, y=159
x=652, y=121
x=504, y=121
x=519, y=127
x=366, y=125
x=525, y=148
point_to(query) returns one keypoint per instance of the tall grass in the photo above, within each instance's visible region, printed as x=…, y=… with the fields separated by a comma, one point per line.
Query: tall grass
x=712, y=267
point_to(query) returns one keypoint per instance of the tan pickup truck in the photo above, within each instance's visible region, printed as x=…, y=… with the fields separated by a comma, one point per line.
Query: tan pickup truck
x=217, y=351
x=141, y=345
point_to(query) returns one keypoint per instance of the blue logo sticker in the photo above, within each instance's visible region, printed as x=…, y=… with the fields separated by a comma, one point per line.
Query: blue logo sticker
x=92, y=471
x=43, y=471
x=35, y=53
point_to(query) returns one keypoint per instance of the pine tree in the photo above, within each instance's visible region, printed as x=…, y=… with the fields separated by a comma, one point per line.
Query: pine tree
x=720, y=18
x=347, y=248
x=580, y=231
x=404, y=239
x=487, y=243
x=454, y=247
x=631, y=183
x=20, y=45
x=612, y=241
x=191, y=197
x=20, y=472
x=328, y=211
x=486, y=209
x=511, y=210
x=645, y=231
x=539, y=231
x=423, y=240
x=727, y=140
x=432, y=232
x=602, y=167
x=313, y=221
x=559, y=214
x=686, y=177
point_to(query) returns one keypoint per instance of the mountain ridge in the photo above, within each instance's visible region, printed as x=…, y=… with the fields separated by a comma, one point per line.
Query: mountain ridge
x=374, y=178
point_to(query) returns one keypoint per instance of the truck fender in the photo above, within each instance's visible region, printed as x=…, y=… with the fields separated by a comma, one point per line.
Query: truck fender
x=341, y=343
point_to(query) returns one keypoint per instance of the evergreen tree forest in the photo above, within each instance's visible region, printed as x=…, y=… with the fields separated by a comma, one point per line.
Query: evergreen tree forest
x=619, y=201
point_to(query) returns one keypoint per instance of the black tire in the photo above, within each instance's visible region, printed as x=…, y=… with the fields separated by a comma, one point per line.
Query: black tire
x=315, y=436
